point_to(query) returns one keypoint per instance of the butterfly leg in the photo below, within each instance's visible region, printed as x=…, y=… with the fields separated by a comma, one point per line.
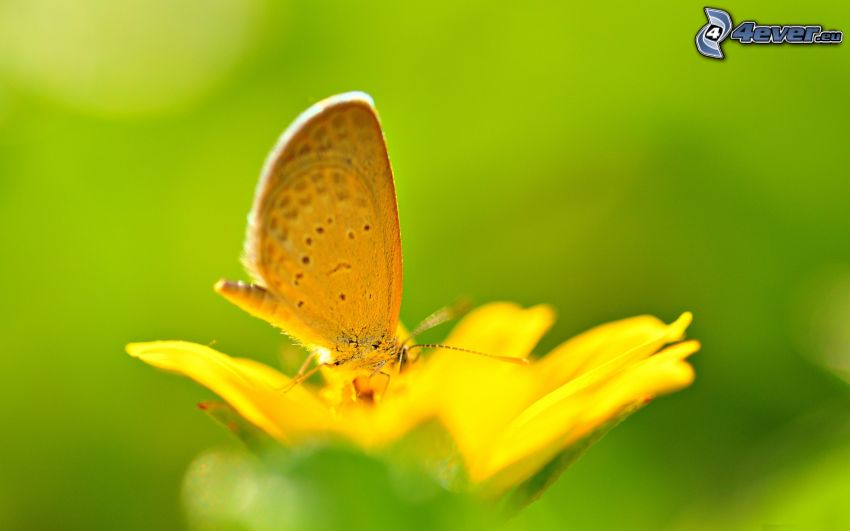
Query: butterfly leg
x=403, y=359
x=298, y=380
x=378, y=369
x=310, y=357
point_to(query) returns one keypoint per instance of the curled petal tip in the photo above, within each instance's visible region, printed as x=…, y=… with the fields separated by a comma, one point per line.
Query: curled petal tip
x=135, y=349
x=678, y=327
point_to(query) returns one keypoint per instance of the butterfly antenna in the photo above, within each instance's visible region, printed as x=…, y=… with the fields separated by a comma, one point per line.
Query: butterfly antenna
x=507, y=359
x=446, y=313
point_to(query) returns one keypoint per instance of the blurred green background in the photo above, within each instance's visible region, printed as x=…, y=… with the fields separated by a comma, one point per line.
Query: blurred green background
x=579, y=154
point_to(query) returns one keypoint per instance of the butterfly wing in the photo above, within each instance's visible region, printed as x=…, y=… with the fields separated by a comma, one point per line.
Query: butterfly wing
x=323, y=243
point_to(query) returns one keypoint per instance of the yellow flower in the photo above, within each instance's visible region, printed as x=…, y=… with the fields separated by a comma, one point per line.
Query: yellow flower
x=507, y=421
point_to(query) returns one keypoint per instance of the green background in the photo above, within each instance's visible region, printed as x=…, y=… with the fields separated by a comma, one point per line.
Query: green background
x=582, y=155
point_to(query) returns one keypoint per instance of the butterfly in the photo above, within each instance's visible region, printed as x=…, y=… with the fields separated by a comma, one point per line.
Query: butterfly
x=323, y=245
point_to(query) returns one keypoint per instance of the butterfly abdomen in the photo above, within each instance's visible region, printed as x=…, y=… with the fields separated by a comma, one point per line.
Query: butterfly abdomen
x=250, y=297
x=259, y=302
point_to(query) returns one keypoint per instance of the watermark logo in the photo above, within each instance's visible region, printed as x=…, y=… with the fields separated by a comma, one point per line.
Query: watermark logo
x=714, y=33
x=720, y=27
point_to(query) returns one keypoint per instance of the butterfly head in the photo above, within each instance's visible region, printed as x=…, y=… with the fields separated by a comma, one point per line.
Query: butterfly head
x=359, y=353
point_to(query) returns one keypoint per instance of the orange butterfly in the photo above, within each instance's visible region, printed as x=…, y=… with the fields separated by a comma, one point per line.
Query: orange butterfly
x=323, y=244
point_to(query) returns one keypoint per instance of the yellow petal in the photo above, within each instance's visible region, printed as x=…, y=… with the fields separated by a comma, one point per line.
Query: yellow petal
x=577, y=408
x=660, y=374
x=252, y=389
x=624, y=341
x=477, y=396
x=501, y=328
x=390, y=420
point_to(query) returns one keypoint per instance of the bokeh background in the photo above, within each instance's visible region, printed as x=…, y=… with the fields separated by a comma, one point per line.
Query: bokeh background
x=581, y=154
